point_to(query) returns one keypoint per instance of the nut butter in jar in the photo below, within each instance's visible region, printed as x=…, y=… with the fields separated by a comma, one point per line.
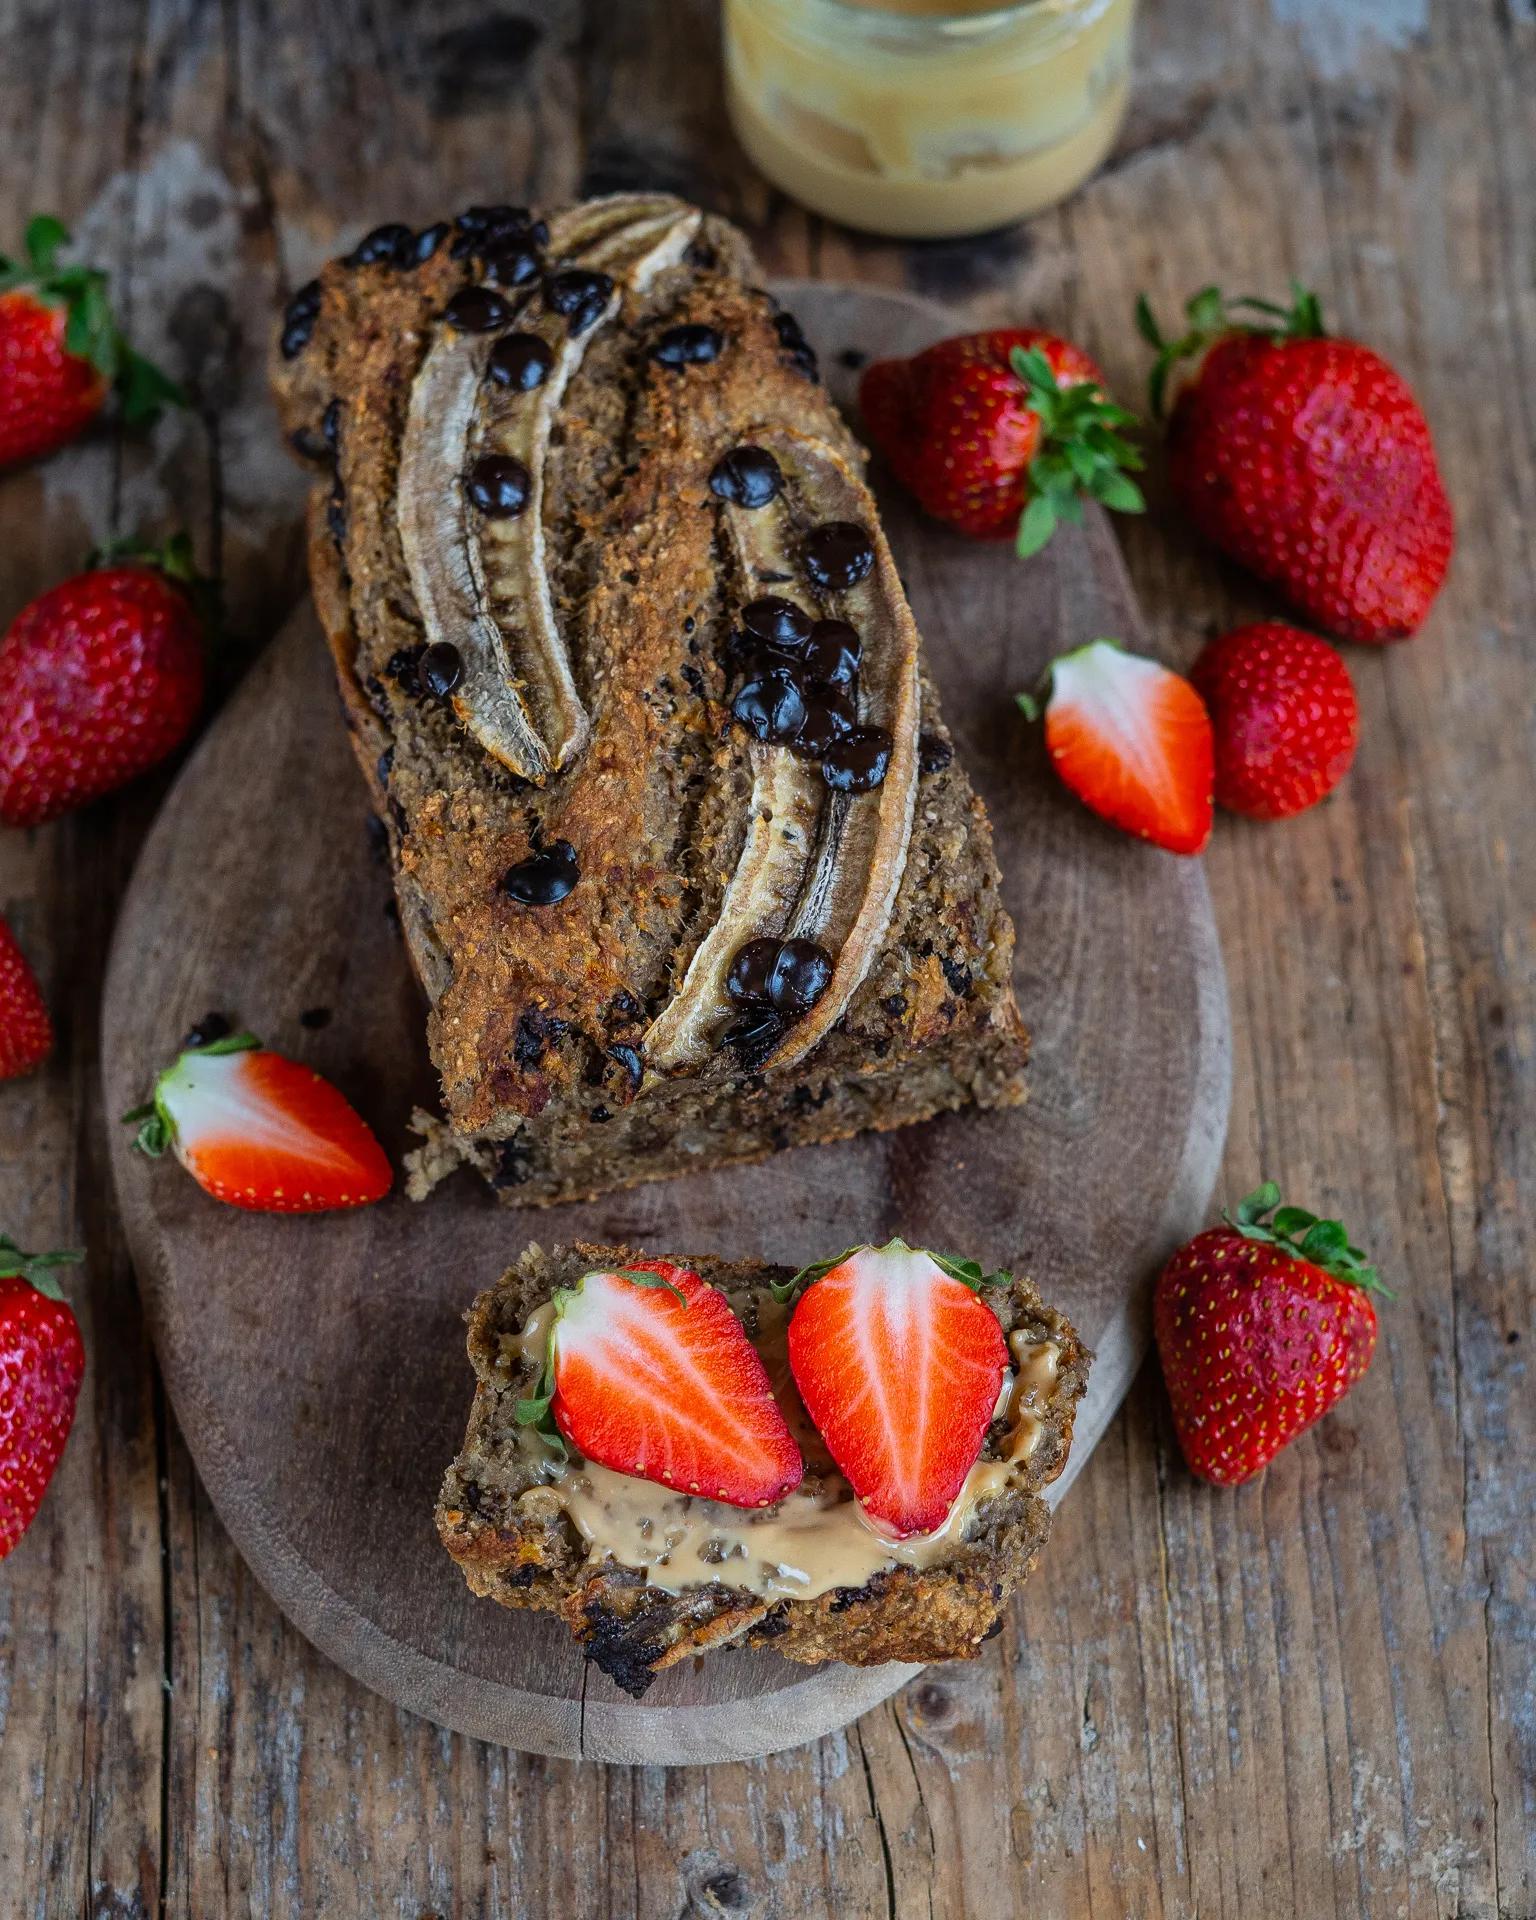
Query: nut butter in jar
x=927, y=119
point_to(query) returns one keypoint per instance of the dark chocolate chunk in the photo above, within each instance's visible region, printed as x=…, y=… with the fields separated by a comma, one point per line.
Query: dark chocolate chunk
x=499, y=485
x=212, y=1026
x=314, y=1018
x=858, y=761
x=404, y=668
x=754, y=1036
x=934, y=753
x=427, y=242
x=441, y=668
x=797, y=349
x=958, y=974
x=579, y=295
x=629, y=1059
x=477, y=310
x=799, y=977
x=777, y=622
x=521, y=361
x=747, y=477
x=771, y=706
x=690, y=345
x=831, y=656
x=747, y=980
x=536, y=1031
x=838, y=554
x=330, y=425
x=299, y=317
x=387, y=246
x=829, y=715
x=513, y=263
x=545, y=877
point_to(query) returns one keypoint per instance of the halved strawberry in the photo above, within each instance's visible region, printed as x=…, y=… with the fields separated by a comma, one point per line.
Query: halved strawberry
x=649, y=1372
x=258, y=1130
x=1133, y=741
x=899, y=1363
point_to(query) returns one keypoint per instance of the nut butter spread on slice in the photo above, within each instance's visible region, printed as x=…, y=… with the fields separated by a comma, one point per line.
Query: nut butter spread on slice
x=816, y=864
x=481, y=579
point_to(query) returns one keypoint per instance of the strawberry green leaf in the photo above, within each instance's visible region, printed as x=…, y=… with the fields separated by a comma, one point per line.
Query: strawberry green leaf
x=536, y=1410
x=230, y=1043
x=1322, y=1243
x=971, y=1273
x=36, y=1268
x=790, y=1289
x=1036, y=525
x=45, y=234
x=1118, y=492
x=146, y=391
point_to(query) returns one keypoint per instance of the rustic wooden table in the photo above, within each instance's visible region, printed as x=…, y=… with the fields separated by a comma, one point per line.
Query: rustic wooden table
x=1314, y=1696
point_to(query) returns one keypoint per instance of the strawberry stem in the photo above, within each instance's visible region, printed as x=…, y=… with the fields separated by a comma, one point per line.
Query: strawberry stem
x=156, y=1128
x=1322, y=1243
x=36, y=1268
x=90, y=332
x=1081, y=456
x=1210, y=315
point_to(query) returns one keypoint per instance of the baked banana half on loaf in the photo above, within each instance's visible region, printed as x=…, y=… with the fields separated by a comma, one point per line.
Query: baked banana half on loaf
x=679, y=1454
x=684, y=858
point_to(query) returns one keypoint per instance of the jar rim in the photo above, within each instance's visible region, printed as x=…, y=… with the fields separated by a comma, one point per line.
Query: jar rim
x=876, y=12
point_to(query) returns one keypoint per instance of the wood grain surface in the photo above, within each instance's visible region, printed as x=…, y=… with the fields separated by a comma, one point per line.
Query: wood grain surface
x=311, y=1361
x=1312, y=1696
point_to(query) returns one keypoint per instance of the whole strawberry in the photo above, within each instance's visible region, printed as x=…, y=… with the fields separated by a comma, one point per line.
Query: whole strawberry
x=1262, y=1325
x=26, y=1033
x=1285, y=718
x=61, y=352
x=41, y=1364
x=1308, y=461
x=100, y=678
x=1002, y=433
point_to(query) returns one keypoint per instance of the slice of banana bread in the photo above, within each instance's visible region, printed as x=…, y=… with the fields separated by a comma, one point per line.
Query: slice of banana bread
x=684, y=859
x=644, y=1576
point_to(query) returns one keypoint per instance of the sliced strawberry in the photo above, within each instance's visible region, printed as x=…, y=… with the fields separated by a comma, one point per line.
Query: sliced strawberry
x=1132, y=740
x=899, y=1363
x=258, y=1130
x=651, y=1374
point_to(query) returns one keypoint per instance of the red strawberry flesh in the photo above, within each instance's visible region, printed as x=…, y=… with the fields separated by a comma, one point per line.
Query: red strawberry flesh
x=266, y=1133
x=26, y=1033
x=661, y=1383
x=899, y=1365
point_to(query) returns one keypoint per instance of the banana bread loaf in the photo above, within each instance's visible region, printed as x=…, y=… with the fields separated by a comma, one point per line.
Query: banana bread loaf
x=683, y=856
x=645, y=1576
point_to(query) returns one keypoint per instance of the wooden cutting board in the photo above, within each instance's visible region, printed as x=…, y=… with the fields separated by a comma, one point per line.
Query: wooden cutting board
x=317, y=1365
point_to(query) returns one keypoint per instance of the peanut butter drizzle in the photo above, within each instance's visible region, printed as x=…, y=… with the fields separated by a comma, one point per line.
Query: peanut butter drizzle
x=815, y=1539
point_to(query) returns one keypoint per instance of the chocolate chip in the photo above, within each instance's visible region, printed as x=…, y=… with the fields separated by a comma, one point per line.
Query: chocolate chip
x=545, y=877
x=314, y=1018
x=497, y=218
x=536, y=1031
x=750, y=971
x=797, y=348
x=521, y=361
x=578, y=294
x=934, y=752
x=477, y=310
x=777, y=622
x=441, y=668
x=403, y=667
x=957, y=974
x=838, y=554
x=212, y=1026
x=801, y=973
x=384, y=766
x=690, y=345
x=747, y=477
x=832, y=652
x=392, y=246
x=754, y=1036
x=829, y=716
x=770, y=706
x=499, y=485
x=858, y=761
x=427, y=242
x=513, y=263
x=330, y=425
x=629, y=1059
x=299, y=317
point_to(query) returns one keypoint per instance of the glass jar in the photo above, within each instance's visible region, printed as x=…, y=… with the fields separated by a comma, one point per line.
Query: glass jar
x=926, y=119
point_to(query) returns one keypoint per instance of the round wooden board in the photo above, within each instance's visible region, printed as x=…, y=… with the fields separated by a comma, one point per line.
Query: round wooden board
x=317, y=1365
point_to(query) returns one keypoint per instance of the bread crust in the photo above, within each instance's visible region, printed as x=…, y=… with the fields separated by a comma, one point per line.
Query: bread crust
x=517, y=1546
